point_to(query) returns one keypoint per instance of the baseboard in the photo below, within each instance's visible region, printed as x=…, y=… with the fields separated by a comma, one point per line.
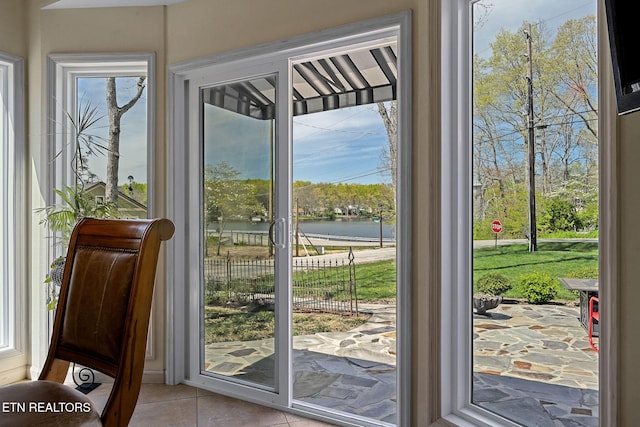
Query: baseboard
x=11, y=376
x=148, y=377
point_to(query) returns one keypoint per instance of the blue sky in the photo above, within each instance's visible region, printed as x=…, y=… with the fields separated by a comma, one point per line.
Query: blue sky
x=133, y=135
x=510, y=14
x=339, y=146
x=334, y=146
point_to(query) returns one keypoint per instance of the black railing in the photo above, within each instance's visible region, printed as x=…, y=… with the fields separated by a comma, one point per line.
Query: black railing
x=326, y=285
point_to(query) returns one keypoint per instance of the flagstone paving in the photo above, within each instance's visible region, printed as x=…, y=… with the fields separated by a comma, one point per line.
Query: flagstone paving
x=533, y=365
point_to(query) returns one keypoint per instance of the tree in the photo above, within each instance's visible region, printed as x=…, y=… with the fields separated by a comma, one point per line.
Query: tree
x=227, y=197
x=115, y=114
x=564, y=96
x=390, y=155
x=558, y=214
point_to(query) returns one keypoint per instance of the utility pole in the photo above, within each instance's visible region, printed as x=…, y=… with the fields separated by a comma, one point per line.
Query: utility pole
x=533, y=235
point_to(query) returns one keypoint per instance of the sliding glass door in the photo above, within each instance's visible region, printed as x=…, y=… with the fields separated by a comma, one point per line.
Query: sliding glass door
x=243, y=191
x=272, y=311
x=238, y=297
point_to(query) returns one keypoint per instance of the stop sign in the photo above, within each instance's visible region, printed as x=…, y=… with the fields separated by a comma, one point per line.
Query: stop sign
x=496, y=226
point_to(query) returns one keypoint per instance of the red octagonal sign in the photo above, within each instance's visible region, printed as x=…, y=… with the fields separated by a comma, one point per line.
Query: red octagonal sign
x=496, y=226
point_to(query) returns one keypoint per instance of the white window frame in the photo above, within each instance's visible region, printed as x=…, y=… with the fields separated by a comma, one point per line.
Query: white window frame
x=13, y=296
x=63, y=71
x=456, y=344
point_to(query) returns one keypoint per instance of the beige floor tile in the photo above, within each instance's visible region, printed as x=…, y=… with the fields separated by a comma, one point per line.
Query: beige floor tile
x=221, y=411
x=298, y=421
x=162, y=405
x=161, y=392
x=173, y=413
x=308, y=423
x=203, y=392
x=100, y=395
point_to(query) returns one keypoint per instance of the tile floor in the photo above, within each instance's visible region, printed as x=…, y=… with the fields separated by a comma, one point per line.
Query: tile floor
x=162, y=405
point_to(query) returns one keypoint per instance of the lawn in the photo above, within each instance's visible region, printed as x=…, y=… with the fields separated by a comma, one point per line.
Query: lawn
x=559, y=259
x=377, y=280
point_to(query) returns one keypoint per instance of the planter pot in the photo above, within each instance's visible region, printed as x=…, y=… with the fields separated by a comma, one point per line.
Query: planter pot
x=482, y=302
x=56, y=272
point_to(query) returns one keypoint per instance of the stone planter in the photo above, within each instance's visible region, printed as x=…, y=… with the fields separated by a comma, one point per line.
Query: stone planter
x=483, y=302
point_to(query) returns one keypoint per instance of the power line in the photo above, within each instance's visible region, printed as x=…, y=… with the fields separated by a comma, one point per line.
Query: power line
x=541, y=21
x=338, y=130
x=518, y=131
x=350, y=178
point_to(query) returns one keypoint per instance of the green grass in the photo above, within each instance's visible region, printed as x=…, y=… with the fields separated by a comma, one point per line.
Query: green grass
x=376, y=280
x=561, y=259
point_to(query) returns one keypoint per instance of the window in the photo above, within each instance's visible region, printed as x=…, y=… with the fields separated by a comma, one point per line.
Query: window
x=78, y=151
x=84, y=89
x=456, y=356
x=13, y=215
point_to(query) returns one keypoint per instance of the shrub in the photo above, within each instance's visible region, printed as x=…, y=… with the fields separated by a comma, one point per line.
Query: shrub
x=494, y=284
x=559, y=214
x=538, y=287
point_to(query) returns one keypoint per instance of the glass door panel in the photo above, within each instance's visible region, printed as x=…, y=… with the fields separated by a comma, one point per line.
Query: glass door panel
x=238, y=296
x=344, y=224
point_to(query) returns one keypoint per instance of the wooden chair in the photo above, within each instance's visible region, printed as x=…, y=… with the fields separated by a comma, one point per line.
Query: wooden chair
x=101, y=322
x=594, y=316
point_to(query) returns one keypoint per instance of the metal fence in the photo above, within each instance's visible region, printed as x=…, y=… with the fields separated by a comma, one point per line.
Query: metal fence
x=318, y=284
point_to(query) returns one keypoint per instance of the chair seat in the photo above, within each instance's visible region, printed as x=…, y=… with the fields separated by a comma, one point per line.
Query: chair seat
x=596, y=315
x=46, y=403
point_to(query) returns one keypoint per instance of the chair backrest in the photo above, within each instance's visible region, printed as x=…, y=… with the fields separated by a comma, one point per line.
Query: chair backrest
x=104, y=306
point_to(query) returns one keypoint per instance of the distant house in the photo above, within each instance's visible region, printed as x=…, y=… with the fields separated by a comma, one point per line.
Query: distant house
x=128, y=207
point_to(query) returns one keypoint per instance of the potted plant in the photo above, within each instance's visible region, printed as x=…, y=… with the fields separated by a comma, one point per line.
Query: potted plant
x=74, y=203
x=61, y=219
x=490, y=289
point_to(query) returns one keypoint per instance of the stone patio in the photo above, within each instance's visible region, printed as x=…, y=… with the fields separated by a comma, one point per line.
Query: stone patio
x=533, y=365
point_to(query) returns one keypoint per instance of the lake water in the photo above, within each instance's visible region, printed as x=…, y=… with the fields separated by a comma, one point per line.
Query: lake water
x=350, y=228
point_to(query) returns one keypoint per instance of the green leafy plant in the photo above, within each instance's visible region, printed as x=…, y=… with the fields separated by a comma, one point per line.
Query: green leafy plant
x=559, y=214
x=493, y=284
x=75, y=205
x=54, y=278
x=538, y=287
x=61, y=220
x=73, y=202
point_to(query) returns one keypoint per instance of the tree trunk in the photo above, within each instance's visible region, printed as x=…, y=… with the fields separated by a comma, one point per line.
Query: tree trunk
x=113, y=155
x=390, y=119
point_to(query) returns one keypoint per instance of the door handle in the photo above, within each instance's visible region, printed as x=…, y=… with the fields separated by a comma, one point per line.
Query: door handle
x=273, y=225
